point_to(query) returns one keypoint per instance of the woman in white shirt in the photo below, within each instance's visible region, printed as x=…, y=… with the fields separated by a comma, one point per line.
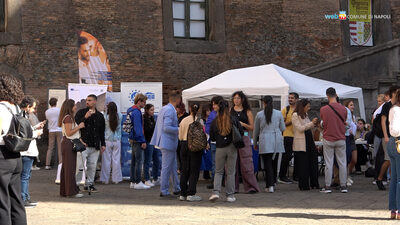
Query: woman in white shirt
x=394, y=155
x=11, y=203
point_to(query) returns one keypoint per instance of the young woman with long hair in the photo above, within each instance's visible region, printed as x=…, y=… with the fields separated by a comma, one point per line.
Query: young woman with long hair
x=394, y=155
x=70, y=130
x=267, y=136
x=242, y=111
x=191, y=161
x=351, y=149
x=12, y=210
x=150, y=153
x=305, y=154
x=111, y=157
x=226, y=152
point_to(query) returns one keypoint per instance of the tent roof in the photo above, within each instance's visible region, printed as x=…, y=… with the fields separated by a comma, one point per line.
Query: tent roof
x=269, y=80
x=254, y=81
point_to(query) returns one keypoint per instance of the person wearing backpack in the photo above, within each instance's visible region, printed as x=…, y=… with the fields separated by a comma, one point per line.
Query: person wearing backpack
x=193, y=142
x=138, y=142
x=12, y=210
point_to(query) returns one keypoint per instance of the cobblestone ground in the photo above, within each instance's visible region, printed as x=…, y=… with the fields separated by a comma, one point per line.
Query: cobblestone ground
x=117, y=204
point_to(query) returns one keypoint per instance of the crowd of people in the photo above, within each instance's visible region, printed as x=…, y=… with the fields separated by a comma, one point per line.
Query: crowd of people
x=162, y=152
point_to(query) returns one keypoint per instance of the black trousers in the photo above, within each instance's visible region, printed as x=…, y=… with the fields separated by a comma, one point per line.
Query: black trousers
x=287, y=156
x=12, y=210
x=307, y=169
x=379, y=160
x=270, y=168
x=306, y=164
x=190, y=163
x=361, y=156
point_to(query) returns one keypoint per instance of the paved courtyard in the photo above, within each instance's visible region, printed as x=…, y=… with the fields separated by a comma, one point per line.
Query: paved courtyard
x=117, y=204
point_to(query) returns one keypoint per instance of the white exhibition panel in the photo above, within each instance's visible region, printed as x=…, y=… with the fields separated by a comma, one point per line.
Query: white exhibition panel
x=153, y=91
x=79, y=92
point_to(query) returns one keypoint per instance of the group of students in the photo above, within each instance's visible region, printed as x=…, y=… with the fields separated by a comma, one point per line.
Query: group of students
x=273, y=132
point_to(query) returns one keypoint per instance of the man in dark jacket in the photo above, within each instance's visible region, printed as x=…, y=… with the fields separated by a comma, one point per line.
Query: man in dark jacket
x=92, y=136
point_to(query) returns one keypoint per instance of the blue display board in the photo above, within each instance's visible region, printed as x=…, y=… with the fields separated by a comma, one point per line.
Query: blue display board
x=126, y=153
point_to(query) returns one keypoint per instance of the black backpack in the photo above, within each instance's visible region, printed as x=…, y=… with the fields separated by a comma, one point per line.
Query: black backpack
x=377, y=126
x=196, y=138
x=20, y=133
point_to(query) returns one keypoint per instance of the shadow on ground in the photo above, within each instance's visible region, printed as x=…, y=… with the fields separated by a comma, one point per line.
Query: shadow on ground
x=317, y=216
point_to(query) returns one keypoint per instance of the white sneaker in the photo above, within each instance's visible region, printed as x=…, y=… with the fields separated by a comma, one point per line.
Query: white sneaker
x=271, y=189
x=157, y=182
x=231, y=198
x=79, y=195
x=132, y=185
x=214, y=197
x=35, y=168
x=182, y=198
x=149, y=183
x=349, y=180
x=57, y=181
x=193, y=198
x=140, y=186
x=47, y=168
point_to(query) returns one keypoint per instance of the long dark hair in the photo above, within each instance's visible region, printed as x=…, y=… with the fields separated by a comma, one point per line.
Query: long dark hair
x=204, y=108
x=300, y=108
x=224, y=118
x=268, y=108
x=112, y=116
x=147, y=107
x=244, y=100
x=66, y=109
x=194, y=109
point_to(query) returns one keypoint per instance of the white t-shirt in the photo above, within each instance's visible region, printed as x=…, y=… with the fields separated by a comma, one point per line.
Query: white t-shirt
x=394, y=121
x=52, y=119
x=6, y=118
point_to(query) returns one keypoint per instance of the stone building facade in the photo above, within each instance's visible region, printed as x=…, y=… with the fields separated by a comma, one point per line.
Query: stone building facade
x=38, y=42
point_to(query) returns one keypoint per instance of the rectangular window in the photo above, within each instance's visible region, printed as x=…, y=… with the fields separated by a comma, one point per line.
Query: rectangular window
x=190, y=18
x=2, y=15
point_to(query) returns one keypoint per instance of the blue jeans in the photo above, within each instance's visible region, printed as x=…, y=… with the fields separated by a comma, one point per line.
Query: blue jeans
x=213, y=148
x=394, y=189
x=137, y=162
x=27, y=163
x=156, y=163
x=148, y=157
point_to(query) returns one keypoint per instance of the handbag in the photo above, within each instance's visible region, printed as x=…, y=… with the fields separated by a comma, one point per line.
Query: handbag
x=237, y=138
x=77, y=145
x=397, y=144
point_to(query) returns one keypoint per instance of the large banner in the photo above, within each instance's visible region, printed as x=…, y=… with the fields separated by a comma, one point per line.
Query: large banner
x=153, y=91
x=94, y=67
x=79, y=92
x=360, y=22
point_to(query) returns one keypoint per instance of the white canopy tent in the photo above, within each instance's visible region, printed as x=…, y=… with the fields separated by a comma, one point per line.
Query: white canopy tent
x=269, y=80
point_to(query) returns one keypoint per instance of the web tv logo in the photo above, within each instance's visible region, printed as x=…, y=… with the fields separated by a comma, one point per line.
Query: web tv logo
x=342, y=16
